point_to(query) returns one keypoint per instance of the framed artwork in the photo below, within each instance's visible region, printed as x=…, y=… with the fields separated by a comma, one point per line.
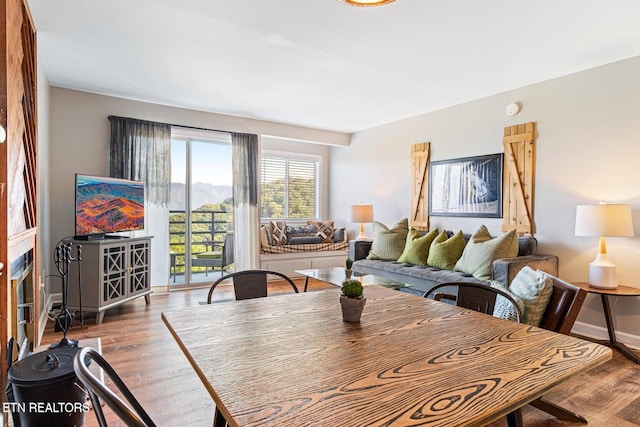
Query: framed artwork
x=469, y=186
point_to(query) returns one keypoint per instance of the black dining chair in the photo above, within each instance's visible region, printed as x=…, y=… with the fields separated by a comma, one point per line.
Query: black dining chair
x=249, y=284
x=474, y=296
x=559, y=316
x=481, y=298
x=129, y=410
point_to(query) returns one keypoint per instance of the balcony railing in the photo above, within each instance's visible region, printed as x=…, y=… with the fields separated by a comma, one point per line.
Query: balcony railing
x=208, y=228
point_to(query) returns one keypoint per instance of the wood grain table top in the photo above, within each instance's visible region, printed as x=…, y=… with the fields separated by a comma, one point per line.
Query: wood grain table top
x=290, y=360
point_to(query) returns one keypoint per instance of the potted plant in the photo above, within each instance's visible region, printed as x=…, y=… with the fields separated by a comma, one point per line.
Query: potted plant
x=352, y=301
x=347, y=270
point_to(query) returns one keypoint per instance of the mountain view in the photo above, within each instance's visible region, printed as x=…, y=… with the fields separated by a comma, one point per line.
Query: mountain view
x=106, y=207
x=202, y=194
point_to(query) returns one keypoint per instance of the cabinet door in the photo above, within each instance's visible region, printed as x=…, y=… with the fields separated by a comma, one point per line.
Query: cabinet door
x=114, y=273
x=139, y=253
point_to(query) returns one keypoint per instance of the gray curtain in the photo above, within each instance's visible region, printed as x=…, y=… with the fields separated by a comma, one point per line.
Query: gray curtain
x=141, y=150
x=245, y=200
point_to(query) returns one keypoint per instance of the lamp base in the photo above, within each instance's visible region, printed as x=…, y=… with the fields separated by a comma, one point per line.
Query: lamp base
x=602, y=273
x=362, y=236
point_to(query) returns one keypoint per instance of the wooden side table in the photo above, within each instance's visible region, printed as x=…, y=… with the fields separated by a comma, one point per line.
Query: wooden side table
x=620, y=291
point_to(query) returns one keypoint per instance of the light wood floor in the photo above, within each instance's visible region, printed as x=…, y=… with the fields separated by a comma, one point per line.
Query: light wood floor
x=137, y=343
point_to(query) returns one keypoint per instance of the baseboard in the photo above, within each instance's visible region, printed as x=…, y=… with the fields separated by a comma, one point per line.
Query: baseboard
x=600, y=333
x=55, y=299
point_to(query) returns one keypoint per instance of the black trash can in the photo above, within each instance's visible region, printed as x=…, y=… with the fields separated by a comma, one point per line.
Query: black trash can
x=46, y=390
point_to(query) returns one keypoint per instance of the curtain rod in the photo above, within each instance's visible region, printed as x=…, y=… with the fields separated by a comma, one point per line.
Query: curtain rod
x=173, y=125
x=199, y=128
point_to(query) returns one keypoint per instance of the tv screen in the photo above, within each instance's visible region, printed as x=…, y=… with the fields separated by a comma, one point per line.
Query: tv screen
x=108, y=205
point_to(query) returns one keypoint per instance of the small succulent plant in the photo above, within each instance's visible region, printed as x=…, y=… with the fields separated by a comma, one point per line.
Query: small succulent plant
x=352, y=288
x=348, y=263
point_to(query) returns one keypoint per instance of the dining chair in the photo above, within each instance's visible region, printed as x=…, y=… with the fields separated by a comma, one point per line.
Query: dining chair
x=249, y=284
x=129, y=410
x=221, y=257
x=474, y=296
x=559, y=316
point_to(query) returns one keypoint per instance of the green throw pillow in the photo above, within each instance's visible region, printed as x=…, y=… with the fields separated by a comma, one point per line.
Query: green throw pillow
x=534, y=287
x=444, y=251
x=483, y=249
x=388, y=243
x=416, y=248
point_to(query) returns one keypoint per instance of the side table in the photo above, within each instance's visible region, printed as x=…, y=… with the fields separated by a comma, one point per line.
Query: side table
x=620, y=291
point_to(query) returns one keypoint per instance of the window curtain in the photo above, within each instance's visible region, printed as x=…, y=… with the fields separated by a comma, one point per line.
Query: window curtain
x=141, y=150
x=245, y=154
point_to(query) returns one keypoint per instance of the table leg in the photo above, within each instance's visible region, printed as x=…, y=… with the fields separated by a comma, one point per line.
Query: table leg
x=218, y=419
x=514, y=419
x=306, y=283
x=612, y=332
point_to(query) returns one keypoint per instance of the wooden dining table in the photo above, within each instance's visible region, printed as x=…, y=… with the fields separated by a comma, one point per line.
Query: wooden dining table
x=290, y=360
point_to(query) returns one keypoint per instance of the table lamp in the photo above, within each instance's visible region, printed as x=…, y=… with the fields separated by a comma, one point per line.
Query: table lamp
x=361, y=214
x=602, y=221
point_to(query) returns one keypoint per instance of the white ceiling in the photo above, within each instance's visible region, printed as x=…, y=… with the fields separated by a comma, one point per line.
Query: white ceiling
x=321, y=63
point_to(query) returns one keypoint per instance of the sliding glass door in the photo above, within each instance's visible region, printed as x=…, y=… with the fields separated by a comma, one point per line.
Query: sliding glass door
x=201, y=205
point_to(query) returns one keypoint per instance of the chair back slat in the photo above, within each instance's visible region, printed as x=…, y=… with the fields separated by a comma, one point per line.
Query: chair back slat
x=250, y=283
x=564, y=306
x=473, y=296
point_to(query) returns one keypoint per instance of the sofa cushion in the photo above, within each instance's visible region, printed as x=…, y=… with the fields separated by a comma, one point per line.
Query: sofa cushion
x=388, y=243
x=265, y=236
x=534, y=287
x=445, y=251
x=278, y=231
x=324, y=229
x=416, y=248
x=482, y=249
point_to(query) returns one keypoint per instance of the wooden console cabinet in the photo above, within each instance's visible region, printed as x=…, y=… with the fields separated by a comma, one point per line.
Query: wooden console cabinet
x=113, y=271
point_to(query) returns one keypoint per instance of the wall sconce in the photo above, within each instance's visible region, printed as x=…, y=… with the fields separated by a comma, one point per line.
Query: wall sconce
x=3, y=134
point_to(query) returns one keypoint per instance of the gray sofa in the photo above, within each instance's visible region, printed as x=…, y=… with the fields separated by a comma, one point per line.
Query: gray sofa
x=423, y=278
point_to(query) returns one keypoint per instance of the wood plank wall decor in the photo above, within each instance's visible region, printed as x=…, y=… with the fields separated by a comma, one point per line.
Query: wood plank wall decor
x=18, y=160
x=519, y=158
x=420, y=186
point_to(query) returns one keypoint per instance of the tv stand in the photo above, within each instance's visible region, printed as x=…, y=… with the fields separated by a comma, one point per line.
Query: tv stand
x=114, y=271
x=90, y=237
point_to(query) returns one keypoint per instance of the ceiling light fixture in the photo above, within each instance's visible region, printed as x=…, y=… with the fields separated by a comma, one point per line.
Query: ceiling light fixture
x=366, y=3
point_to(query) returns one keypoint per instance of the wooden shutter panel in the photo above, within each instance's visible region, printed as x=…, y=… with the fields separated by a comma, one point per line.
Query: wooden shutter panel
x=420, y=186
x=517, y=206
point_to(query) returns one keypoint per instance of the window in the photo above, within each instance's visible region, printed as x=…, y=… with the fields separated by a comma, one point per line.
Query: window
x=289, y=186
x=201, y=203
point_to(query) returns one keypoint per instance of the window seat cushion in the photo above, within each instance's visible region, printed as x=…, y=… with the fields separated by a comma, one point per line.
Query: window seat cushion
x=311, y=247
x=216, y=254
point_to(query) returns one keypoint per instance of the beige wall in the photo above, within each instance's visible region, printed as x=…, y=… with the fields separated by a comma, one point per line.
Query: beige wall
x=80, y=144
x=588, y=149
x=44, y=253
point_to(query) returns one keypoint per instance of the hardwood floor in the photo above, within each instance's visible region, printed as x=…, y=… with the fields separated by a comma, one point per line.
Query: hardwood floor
x=137, y=343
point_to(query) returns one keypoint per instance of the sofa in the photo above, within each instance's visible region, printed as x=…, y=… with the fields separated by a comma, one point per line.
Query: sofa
x=423, y=277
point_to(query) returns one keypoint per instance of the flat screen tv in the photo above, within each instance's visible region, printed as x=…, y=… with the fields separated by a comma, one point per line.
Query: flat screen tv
x=107, y=205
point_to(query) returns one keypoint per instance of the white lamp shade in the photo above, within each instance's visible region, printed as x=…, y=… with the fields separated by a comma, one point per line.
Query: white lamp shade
x=361, y=213
x=604, y=220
